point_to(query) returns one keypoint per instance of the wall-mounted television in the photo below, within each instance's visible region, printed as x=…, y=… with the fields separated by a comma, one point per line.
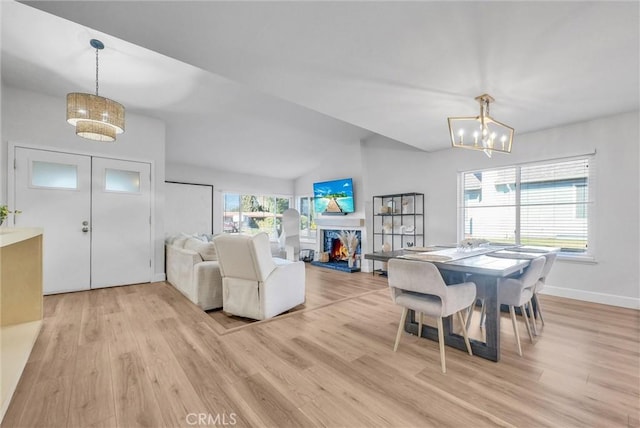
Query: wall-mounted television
x=334, y=197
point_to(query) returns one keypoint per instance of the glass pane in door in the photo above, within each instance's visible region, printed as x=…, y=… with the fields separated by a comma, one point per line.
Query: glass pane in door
x=54, y=175
x=117, y=180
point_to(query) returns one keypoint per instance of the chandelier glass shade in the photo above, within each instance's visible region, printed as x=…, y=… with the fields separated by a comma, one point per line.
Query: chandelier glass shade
x=481, y=132
x=95, y=117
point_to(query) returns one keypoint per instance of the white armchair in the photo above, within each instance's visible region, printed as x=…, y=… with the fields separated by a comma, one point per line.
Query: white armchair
x=255, y=284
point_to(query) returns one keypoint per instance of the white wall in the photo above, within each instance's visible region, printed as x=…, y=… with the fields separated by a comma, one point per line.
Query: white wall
x=224, y=182
x=380, y=166
x=614, y=278
x=347, y=163
x=39, y=120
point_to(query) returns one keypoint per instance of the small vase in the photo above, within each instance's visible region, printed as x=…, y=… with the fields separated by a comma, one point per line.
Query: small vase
x=350, y=260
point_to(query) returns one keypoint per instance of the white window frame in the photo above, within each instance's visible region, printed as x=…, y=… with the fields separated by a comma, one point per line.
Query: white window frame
x=589, y=255
x=307, y=237
x=258, y=195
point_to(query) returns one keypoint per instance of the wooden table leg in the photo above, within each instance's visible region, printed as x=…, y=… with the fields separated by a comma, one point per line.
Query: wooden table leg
x=492, y=322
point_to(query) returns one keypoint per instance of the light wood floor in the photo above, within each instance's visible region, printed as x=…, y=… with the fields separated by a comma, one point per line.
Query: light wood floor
x=143, y=355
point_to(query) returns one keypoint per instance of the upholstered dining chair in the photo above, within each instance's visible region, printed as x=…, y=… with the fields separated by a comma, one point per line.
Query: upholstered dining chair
x=519, y=292
x=513, y=292
x=419, y=286
x=550, y=259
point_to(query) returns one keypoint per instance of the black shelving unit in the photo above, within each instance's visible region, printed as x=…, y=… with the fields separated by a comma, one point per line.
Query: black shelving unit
x=398, y=223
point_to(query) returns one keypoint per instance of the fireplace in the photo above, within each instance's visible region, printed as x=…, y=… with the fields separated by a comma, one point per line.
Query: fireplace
x=333, y=254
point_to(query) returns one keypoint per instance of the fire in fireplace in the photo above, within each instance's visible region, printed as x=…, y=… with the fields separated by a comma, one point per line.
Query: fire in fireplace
x=338, y=251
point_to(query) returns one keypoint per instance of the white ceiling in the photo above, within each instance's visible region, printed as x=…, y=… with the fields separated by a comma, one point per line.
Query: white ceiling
x=240, y=84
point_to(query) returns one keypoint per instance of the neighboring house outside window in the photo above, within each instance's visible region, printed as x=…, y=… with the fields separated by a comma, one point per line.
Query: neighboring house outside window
x=251, y=214
x=544, y=204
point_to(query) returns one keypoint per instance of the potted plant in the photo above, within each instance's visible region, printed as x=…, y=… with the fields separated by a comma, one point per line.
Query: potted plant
x=4, y=213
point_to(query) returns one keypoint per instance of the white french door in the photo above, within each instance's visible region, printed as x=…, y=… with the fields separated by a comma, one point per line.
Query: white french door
x=95, y=213
x=53, y=191
x=121, y=223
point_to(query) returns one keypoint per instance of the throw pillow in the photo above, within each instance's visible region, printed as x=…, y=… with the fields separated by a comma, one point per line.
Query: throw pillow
x=206, y=249
x=179, y=241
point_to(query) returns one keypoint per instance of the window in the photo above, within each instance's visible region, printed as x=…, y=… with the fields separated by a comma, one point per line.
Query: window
x=254, y=213
x=117, y=180
x=490, y=205
x=534, y=204
x=54, y=175
x=307, y=217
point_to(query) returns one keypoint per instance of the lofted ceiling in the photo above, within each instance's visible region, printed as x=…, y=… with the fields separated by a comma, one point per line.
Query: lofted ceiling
x=241, y=84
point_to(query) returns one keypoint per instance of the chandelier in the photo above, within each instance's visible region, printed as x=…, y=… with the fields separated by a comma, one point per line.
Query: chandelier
x=481, y=132
x=95, y=117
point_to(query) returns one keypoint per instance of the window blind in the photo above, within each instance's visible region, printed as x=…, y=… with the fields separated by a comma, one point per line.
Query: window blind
x=554, y=204
x=490, y=205
x=544, y=204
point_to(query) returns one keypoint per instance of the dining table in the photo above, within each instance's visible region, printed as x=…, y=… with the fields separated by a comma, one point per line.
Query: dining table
x=488, y=263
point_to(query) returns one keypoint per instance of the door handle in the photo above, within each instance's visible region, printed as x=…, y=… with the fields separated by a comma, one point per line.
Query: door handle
x=85, y=226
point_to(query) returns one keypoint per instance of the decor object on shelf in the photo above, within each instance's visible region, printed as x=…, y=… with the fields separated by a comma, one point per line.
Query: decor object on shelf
x=95, y=117
x=386, y=247
x=407, y=206
x=406, y=229
x=391, y=207
x=481, y=132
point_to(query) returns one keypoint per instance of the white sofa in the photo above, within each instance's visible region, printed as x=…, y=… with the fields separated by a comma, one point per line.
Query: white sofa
x=193, y=269
x=256, y=285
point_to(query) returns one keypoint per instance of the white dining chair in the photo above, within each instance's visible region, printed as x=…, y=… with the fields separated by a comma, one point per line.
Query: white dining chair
x=418, y=285
x=519, y=292
x=513, y=292
x=550, y=259
x=290, y=236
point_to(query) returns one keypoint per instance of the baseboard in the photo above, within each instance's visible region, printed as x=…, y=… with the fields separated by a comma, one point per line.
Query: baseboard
x=590, y=296
x=159, y=277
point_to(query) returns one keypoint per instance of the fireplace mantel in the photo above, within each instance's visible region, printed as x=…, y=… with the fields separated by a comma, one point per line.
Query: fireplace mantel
x=339, y=222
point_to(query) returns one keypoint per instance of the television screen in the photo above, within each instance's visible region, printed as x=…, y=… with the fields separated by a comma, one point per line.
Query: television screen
x=334, y=197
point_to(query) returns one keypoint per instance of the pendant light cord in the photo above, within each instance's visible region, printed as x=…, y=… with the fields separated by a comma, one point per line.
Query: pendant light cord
x=96, y=72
